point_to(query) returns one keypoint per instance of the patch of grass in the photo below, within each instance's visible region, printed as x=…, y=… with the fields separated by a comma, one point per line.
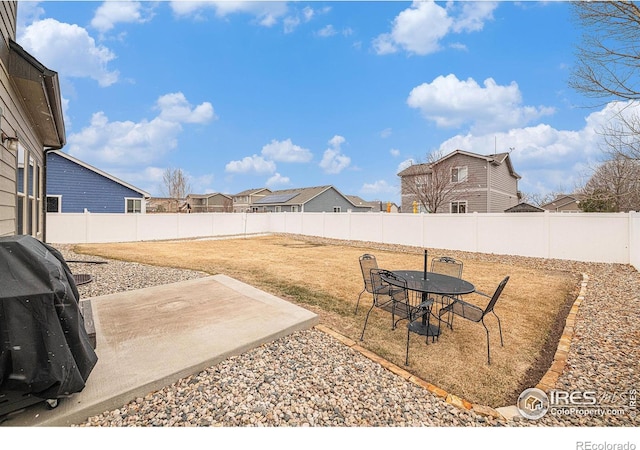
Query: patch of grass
x=324, y=276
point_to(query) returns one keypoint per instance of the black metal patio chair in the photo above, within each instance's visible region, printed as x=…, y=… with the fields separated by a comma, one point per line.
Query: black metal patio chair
x=446, y=265
x=476, y=314
x=390, y=298
x=367, y=262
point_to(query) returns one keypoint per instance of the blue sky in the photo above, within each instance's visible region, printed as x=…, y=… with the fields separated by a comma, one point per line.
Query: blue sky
x=282, y=95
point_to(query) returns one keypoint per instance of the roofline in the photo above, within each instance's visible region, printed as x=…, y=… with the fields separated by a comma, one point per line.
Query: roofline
x=51, y=88
x=100, y=172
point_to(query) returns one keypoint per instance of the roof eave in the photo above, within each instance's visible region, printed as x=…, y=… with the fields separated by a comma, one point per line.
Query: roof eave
x=40, y=90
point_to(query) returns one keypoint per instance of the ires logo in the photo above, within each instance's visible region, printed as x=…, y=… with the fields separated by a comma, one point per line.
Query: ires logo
x=573, y=398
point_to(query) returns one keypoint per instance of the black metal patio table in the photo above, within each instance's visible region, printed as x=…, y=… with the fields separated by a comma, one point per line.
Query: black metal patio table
x=430, y=283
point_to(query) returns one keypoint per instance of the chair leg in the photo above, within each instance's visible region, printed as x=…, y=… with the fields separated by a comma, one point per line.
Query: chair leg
x=487, y=330
x=358, y=302
x=365, y=322
x=499, y=328
x=406, y=360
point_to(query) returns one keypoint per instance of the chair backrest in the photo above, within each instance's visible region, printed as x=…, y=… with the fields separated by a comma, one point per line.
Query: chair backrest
x=495, y=297
x=397, y=290
x=368, y=262
x=447, y=266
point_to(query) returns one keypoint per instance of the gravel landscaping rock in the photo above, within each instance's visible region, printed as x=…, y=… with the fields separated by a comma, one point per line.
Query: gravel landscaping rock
x=310, y=379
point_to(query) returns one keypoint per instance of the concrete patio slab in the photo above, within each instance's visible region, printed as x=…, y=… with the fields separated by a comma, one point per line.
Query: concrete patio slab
x=150, y=338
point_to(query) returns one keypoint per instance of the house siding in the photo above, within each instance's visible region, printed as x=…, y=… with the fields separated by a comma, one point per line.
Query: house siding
x=489, y=187
x=82, y=188
x=504, y=189
x=14, y=122
x=327, y=200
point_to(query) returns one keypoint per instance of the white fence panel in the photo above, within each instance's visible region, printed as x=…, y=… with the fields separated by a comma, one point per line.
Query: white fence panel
x=523, y=234
x=193, y=225
x=367, y=227
x=613, y=238
x=111, y=227
x=634, y=239
x=583, y=237
x=157, y=227
x=402, y=229
x=449, y=232
x=337, y=226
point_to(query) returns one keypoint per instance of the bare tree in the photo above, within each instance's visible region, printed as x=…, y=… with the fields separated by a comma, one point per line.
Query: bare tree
x=436, y=182
x=621, y=137
x=175, y=183
x=609, y=56
x=538, y=199
x=613, y=187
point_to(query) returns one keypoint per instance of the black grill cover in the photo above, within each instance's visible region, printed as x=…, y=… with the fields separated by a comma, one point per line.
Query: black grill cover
x=45, y=349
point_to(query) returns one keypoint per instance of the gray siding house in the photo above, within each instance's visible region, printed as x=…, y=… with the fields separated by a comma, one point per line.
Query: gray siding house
x=216, y=202
x=74, y=186
x=479, y=183
x=31, y=123
x=311, y=199
x=243, y=201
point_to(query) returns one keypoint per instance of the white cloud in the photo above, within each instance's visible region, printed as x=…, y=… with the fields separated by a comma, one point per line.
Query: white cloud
x=69, y=49
x=251, y=164
x=286, y=151
x=404, y=164
x=290, y=24
x=128, y=143
x=293, y=21
x=378, y=187
x=175, y=107
x=327, y=31
x=450, y=102
x=394, y=152
x=333, y=160
x=28, y=12
x=473, y=16
x=278, y=180
x=266, y=13
x=111, y=13
x=386, y=133
x=545, y=157
x=421, y=28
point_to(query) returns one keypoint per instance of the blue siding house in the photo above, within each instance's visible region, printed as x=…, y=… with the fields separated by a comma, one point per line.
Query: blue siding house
x=74, y=186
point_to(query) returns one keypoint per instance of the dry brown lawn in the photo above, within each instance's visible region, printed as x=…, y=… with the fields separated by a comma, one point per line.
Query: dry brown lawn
x=324, y=276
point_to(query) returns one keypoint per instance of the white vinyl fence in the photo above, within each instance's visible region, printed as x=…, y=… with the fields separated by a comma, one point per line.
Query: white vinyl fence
x=596, y=237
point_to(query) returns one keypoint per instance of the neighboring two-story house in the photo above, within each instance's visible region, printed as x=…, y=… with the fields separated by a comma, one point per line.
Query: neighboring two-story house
x=461, y=182
x=216, y=202
x=31, y=123
x=243, y=201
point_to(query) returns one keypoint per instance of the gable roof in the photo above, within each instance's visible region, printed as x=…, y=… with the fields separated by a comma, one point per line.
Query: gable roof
x=212, y=194
x=357, y=201
x=298, y=196
x=99, y=172
x=495, y=159
x=251, y=191
x=524, y=207
x=563, y=200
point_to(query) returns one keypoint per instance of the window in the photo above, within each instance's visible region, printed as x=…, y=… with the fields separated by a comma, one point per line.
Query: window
x=337, y=209
x=53, y=203
x=294, y=208
x=458, y=174
x=134, y=205
x=278, y=208
x=459, y=207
